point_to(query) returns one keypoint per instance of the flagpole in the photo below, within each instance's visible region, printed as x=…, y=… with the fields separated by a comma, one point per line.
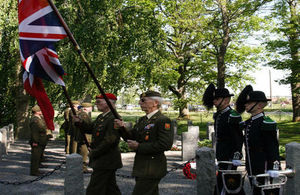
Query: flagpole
x=74, y=113
x=124, y=133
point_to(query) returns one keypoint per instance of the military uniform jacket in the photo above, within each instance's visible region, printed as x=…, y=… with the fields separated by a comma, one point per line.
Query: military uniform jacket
x=38, y=131
x=77, y=133
x=155, y=136
x=72, y=130
x=228, y=135
x=105, y=152
x=262, y=148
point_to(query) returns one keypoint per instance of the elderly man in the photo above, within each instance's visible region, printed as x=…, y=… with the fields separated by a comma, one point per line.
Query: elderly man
x=38, y=139
x=151, y=136
x=105, y=156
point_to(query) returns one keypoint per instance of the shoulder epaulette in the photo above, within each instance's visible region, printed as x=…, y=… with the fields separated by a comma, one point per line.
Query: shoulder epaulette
x=234, y=113
x=268, y=124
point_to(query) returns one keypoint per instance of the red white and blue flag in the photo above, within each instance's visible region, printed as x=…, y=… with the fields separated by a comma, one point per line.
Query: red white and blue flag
x=39, y=29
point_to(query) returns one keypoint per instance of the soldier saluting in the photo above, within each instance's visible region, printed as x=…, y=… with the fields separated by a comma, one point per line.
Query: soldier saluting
x=262, y=148
x=229, y=137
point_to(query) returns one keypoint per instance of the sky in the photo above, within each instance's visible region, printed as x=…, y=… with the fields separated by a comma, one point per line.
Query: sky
x=262, y=80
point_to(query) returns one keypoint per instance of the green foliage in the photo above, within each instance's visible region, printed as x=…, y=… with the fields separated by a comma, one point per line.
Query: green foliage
x=282, y=153
x=9, y=61
x=205, y=143
x=124, y=147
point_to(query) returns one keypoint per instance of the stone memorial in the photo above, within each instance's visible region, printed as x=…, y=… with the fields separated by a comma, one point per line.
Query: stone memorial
x=189, y=142
x=206, y=171
x=293, y=161
x=74, y=175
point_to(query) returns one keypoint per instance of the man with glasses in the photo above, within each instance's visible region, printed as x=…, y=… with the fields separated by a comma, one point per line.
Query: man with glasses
x=151, y=136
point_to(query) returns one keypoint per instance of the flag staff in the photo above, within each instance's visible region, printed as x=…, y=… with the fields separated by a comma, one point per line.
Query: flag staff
x=123, y=132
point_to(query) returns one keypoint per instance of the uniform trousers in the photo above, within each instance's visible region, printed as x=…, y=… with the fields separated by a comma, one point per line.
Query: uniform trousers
x=146, y=186
x=103, y=182
x=36, y=154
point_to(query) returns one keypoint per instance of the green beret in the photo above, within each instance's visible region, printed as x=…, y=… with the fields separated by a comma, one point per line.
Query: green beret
x=86, y=104
x=75, y=102
x=36, y=108
x=150, y=94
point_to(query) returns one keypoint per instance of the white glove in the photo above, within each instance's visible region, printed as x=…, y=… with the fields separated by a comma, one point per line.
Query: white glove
x=236, y=162
x=273, y=173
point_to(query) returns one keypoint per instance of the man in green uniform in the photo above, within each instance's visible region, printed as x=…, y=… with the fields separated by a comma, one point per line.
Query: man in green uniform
x=105, y=156
x=38, y=139
x=83, y=114
x=151, y=136
x=65, y=127
x=72, y=128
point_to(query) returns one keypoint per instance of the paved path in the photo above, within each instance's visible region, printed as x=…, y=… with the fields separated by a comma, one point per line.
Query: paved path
x=14, y=167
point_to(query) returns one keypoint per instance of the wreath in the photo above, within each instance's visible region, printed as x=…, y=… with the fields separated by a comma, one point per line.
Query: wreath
x=187, y=171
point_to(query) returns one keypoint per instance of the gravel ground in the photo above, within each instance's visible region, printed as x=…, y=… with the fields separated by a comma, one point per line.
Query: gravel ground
x=14, y=168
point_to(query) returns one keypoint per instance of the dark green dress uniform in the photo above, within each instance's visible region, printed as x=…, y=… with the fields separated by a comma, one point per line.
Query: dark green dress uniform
x=229, y=139
x=105, y=157
x=38, y=135
x=262, y=148
x=150, y=165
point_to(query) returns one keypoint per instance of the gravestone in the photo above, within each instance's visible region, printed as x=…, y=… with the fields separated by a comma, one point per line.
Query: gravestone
x=74, y=175
x=293, y=161
x=174, y=126
x=190, y=142
x=3, y=140
x=206, y=171
x=209, y=130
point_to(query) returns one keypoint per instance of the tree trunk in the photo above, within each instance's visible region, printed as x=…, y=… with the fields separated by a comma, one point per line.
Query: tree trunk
x=295, y=69
x=22, y=130
x=296, y=101
x=223, y=47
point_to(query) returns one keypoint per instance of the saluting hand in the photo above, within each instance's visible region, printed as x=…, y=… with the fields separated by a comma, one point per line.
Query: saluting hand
x=132, y=144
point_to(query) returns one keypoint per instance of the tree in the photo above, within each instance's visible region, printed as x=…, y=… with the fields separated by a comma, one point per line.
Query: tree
x=287, y=47
x=204, y=43
x=231, y=24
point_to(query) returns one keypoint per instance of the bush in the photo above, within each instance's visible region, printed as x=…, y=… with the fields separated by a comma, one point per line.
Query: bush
x=124, y=147
x=282, y=152
x=205, y=143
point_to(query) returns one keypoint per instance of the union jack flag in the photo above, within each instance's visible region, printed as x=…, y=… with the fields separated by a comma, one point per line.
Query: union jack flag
x=39, y=29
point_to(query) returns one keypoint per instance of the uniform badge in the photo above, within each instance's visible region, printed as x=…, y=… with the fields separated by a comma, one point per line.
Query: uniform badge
x=167, y=126
x=147, y=127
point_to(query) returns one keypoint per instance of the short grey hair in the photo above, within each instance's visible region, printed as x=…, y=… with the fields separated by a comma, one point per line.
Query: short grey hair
x=159, y=99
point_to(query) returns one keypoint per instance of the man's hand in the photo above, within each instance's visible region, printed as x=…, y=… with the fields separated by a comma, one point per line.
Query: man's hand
x=118, y=124
x=132, y=144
